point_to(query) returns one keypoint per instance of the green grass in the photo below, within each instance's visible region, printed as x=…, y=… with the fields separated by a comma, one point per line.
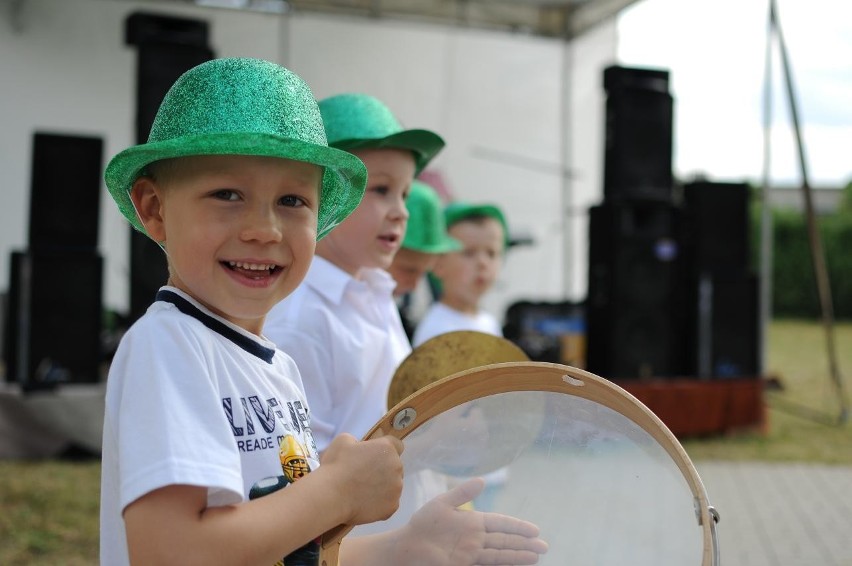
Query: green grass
x=802, y=417
x=50, y=508
x=49, y=512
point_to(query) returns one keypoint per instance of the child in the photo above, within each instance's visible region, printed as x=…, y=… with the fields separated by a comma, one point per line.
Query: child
x=465, y=276
x=205, y=420
x=342, y=326
x=425, y=240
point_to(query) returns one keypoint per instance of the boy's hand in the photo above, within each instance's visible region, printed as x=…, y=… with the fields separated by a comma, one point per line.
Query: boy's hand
x=368, y=474
x=440, y=534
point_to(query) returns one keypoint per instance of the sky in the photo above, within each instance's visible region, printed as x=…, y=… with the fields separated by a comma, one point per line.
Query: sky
x=715, y=51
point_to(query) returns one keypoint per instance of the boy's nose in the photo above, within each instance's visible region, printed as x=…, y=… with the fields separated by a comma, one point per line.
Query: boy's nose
x=399, y=210
x=262, y=225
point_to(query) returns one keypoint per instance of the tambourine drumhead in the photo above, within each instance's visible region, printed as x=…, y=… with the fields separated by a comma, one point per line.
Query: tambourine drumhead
x=447, y=354
x=600, y=475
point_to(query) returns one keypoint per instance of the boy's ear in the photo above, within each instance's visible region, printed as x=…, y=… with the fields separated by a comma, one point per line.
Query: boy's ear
x=148, y=200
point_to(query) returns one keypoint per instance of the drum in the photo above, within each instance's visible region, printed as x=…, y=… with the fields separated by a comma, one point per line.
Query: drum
x=601, y=476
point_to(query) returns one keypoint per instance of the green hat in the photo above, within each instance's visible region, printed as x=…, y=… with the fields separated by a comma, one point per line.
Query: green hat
x=458, y=211
x=426, y=231
x=242, y=107
x=360, y=121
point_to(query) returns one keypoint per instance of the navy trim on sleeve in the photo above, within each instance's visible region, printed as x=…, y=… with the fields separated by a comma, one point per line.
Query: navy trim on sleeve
x=244, y=342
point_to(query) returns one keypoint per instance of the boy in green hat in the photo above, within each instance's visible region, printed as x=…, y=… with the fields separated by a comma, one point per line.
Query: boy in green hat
x=236, y=183
x=466, y=275
x=342, y=326
x=425, y=240
x=205, y=420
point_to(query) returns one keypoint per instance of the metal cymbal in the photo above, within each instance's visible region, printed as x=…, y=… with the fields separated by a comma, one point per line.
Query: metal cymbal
x=447, y=354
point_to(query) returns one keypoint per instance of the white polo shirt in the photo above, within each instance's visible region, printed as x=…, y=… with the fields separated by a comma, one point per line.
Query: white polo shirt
x=347, y=339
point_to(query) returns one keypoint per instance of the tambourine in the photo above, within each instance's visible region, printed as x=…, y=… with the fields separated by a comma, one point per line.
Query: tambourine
x=446, y=354
x=601, y=476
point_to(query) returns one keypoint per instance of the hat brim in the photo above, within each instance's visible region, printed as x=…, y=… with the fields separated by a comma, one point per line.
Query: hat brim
x=423, y=143
x=344, y=175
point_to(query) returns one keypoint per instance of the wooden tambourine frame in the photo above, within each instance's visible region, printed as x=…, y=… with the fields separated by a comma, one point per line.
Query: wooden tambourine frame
x=469, y=385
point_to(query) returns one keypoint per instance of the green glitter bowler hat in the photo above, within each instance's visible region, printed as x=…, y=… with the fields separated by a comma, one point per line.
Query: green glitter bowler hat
x=242, y=107
x=359, y=121
x=426, y=231
x=458, y=211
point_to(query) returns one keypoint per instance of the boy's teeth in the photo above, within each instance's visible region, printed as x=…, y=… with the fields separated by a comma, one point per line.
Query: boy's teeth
x=251, y=266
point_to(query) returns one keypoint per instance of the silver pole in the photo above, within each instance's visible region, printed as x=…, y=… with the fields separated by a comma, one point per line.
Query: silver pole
x=766, y=260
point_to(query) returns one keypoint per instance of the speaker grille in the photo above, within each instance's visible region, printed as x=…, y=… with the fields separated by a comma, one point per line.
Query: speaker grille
x=65, y=191
x=635, y=315
x=638, y=135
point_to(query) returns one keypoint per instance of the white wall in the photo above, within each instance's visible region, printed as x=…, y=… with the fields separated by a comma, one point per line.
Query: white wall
x=498, y=99
x=66, y=69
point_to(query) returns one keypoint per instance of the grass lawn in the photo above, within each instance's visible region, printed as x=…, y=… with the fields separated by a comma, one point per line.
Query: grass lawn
x=50, y=508
x=802, y=417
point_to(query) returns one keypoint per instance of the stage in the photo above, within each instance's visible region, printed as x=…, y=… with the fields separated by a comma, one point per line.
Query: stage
x=693, y=407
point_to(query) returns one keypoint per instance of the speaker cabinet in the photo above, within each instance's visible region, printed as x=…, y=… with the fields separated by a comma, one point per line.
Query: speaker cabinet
x=167, y=47
x=54, y=323
x=724, y=333
x=65, y=189
x=716, y=231
x=634, y=313
x=638, y=135
x=727, y=332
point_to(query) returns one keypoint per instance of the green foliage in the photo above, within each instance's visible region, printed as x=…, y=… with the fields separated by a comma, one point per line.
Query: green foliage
x=846, y=199
x=794, y=285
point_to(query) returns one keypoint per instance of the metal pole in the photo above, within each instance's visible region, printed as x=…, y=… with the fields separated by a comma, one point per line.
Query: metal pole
x=569, y=260
x=766, y=235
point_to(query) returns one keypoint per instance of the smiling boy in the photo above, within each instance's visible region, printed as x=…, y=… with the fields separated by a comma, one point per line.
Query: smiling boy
x=236, y=183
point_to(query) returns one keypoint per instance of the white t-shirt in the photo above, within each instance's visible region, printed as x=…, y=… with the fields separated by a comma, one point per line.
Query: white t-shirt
x=193, y=399
x=440, y=318
x=346, y=337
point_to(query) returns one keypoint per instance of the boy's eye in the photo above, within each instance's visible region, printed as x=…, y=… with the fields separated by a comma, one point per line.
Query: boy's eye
x=292, y=201
x=226, y=194
x=381, y=189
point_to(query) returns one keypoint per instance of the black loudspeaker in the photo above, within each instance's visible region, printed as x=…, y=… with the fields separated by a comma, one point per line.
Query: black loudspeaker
x=53, y=332
x=635, y=318
x=727, y=332
x=716, y=230
x=724, y=295
x=65, y=189
x=638, y=134
x=168, y=47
